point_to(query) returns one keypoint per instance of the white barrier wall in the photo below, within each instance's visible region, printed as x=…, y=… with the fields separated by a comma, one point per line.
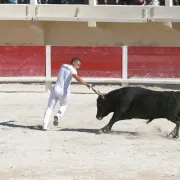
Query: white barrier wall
x=79, y=34
x=111, y=34
x=19, y=33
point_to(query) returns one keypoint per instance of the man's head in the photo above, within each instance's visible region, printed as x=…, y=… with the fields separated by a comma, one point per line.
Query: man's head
x=102, y=107
x=75, y=62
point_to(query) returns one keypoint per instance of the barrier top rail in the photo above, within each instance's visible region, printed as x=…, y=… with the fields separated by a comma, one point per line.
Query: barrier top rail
x=167, y=3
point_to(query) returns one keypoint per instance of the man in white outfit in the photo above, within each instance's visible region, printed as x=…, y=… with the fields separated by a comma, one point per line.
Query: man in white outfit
x=60, y=91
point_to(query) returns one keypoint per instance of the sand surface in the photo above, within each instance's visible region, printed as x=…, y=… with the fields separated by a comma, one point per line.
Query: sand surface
x=74, y=150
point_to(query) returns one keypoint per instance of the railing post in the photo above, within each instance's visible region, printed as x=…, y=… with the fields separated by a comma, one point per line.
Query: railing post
x=168, y=25
x=124, y=65
x=48, y=82
x=92, y=3
x=33, y=2
x=168, y=3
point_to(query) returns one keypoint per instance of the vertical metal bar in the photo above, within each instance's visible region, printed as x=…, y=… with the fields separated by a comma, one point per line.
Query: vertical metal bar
x=48, y=83
x=48, y=61
x=124, y=65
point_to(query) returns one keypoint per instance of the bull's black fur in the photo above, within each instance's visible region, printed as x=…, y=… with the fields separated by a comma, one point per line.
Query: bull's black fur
x=141, y=103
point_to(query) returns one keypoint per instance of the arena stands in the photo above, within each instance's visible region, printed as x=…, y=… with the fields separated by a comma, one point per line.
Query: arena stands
x=101, y=2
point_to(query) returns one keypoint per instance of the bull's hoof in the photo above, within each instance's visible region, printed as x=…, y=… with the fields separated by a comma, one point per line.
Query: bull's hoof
x=172, y=136
x=148, y=121
x=175, y=137
x=103, y=130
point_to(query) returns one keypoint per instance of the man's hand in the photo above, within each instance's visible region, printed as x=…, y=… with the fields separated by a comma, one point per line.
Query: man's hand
x=89, y=86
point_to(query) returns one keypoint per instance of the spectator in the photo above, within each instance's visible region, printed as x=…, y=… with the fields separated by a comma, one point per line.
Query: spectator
x=23, y=2
x=12, y=1
x=121, y=2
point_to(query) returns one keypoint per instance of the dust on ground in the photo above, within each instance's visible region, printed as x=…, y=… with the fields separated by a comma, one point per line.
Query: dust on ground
x=74, y=150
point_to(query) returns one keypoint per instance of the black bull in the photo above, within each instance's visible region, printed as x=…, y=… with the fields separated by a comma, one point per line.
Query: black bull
x=141, y=103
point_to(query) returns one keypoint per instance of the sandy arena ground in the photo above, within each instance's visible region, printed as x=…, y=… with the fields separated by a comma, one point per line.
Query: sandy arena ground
x=74, y=150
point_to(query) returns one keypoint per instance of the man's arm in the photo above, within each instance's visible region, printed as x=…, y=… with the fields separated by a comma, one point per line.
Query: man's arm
x=79, y=79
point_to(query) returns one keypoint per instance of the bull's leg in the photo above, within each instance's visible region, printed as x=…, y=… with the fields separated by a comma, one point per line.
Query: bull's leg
x=108, y=127
x=148, y=121
x=175, y=132
x=118, y=114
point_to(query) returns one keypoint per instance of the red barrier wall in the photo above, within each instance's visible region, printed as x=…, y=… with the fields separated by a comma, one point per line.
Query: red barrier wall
x=22, y=61
x=96, y=61
x=159, y=62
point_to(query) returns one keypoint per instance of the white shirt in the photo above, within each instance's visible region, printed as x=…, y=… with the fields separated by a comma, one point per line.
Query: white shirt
x=64, y=77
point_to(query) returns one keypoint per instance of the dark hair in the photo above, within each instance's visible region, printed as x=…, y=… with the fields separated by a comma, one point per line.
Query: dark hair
x=75, y=59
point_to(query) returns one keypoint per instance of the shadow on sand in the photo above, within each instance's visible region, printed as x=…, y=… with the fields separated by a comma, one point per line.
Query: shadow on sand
x=82, y=130
x=11, y=124
x=97, y=131
x=127, y=134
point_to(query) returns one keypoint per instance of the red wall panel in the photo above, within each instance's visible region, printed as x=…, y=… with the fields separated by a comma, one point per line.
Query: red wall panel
x=96, y=61
x=159, y=62
x=22, y=61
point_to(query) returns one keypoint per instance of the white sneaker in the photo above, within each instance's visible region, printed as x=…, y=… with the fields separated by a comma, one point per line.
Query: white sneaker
x=55, y=123
x=45, y=128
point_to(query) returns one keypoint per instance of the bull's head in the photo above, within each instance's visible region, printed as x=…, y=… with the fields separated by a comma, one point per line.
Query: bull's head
x=102, y=108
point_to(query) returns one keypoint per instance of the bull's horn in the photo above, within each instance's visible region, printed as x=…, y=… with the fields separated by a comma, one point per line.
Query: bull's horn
x=102, y=96
x=98, y=92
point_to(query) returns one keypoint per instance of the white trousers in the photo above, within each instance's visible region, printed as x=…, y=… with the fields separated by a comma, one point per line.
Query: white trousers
x=56, y=95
